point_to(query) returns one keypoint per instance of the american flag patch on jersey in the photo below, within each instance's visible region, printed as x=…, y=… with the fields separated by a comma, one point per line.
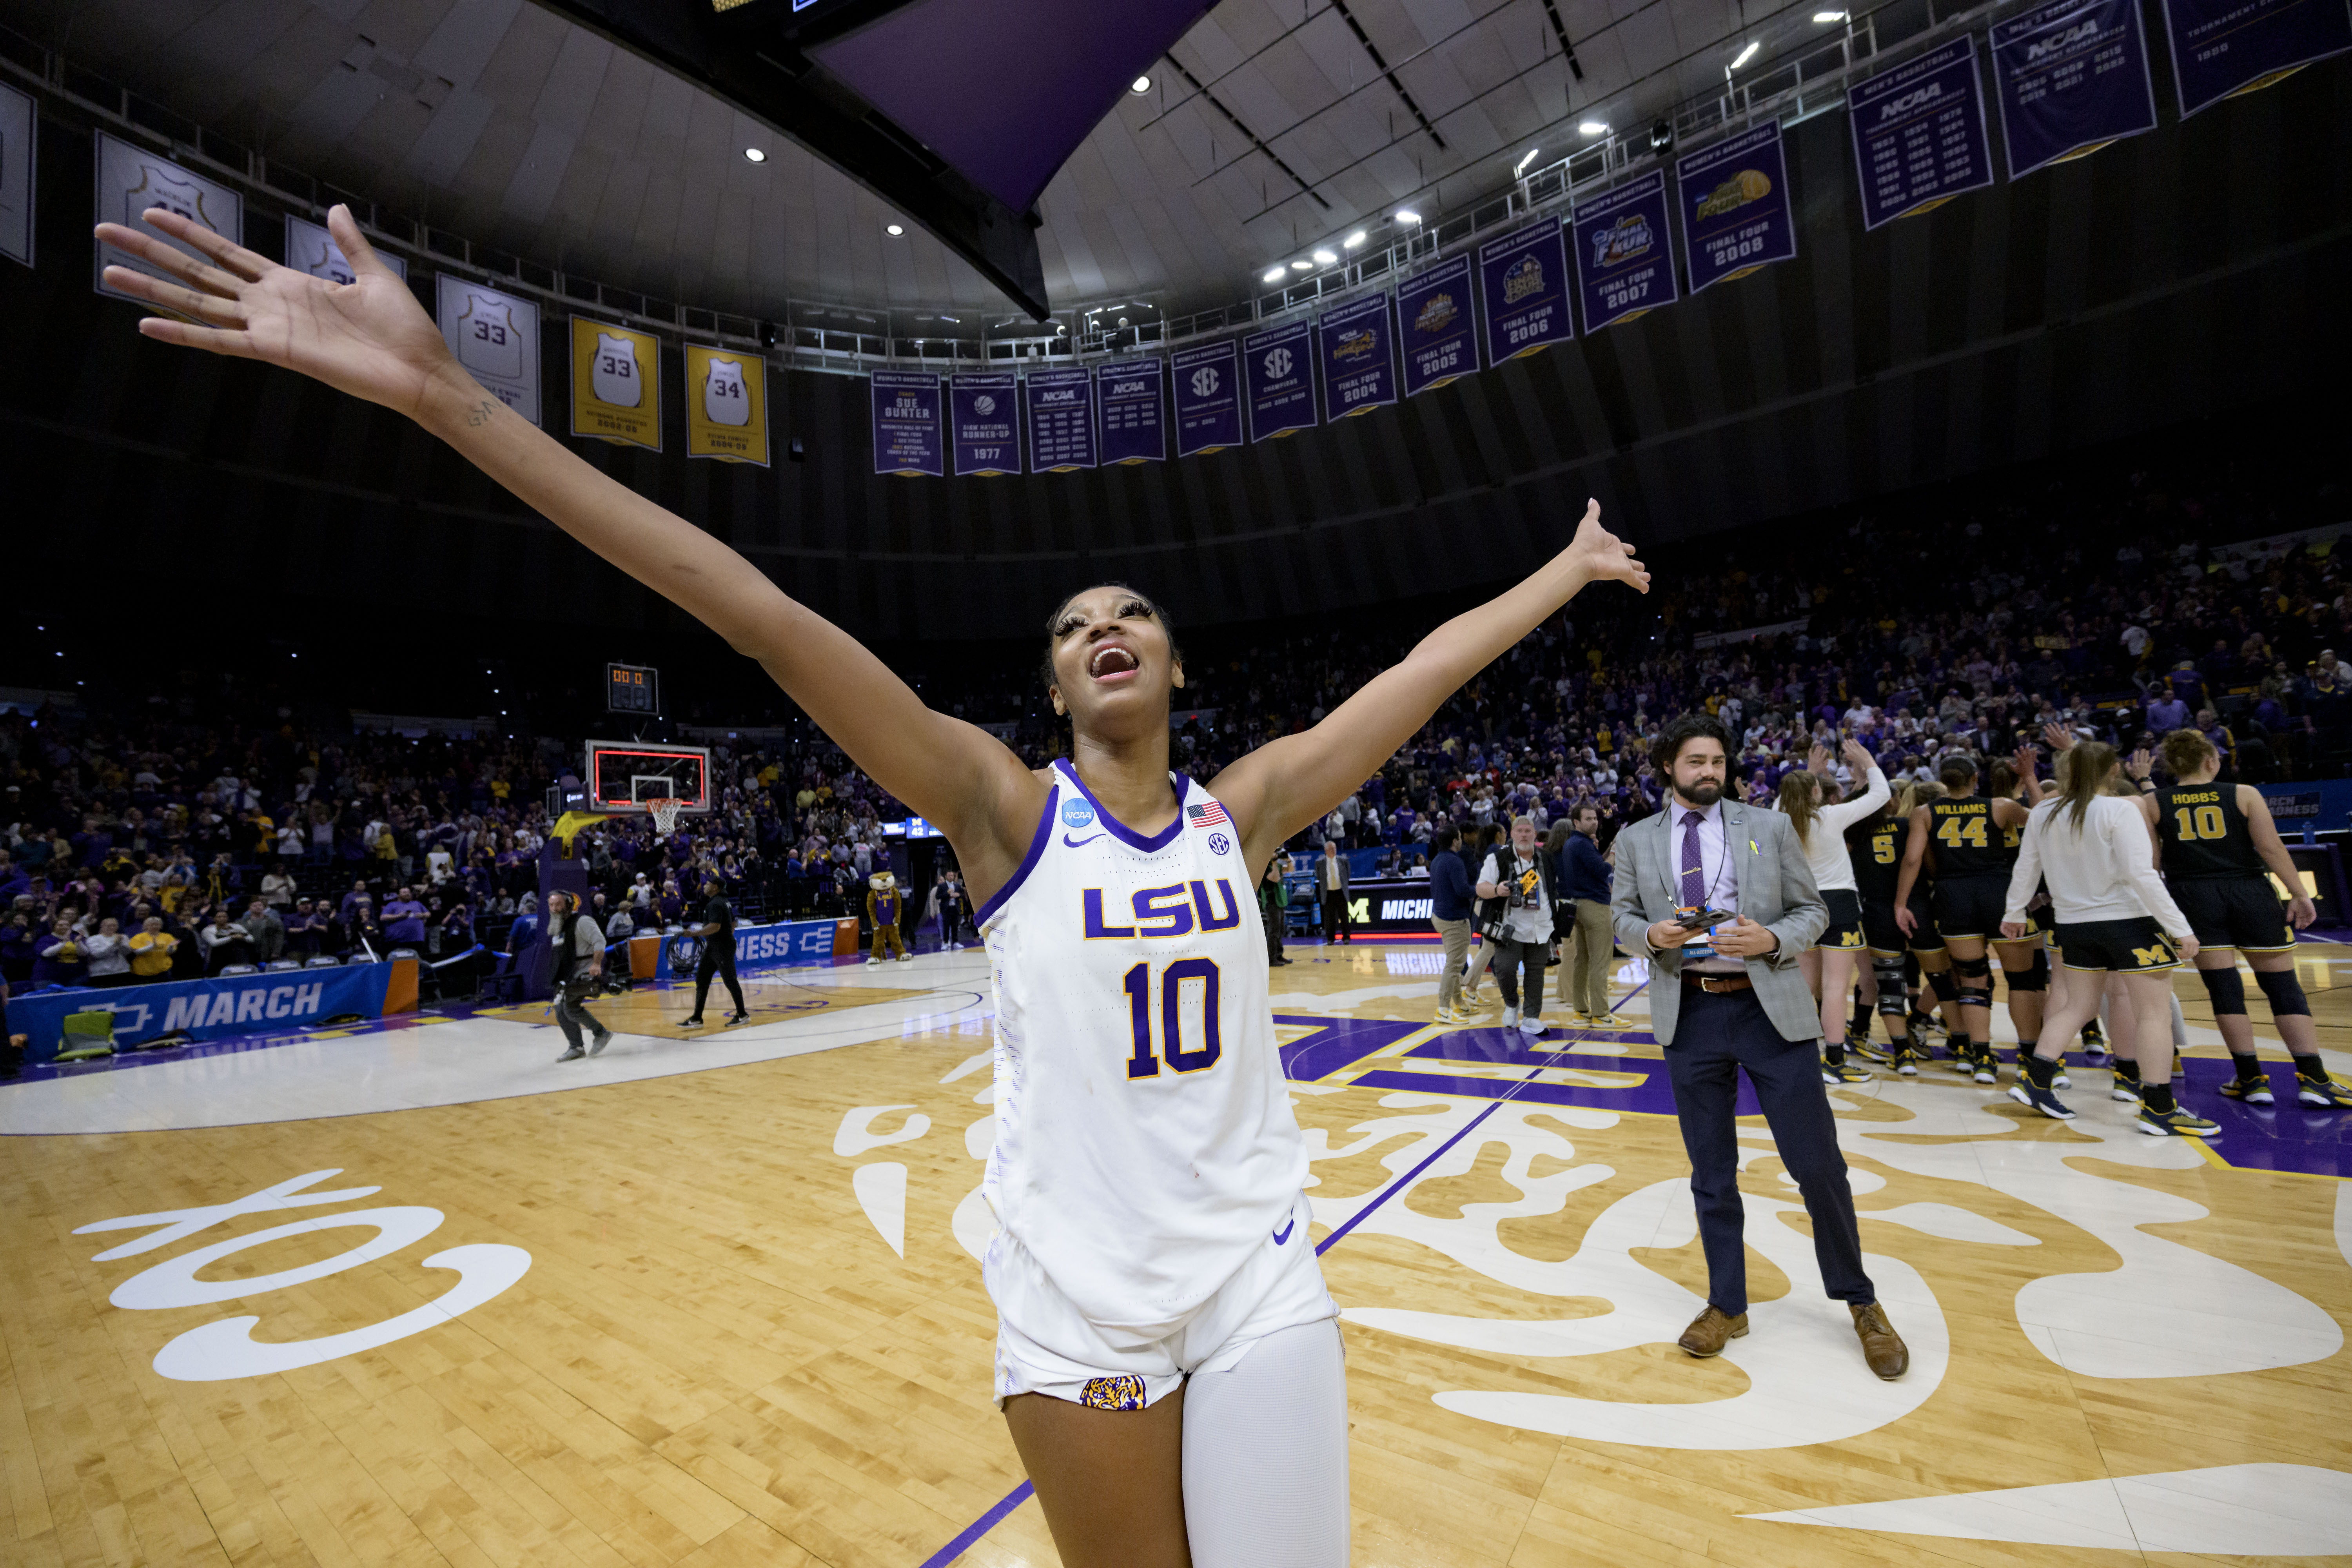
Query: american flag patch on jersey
x=1208, y=815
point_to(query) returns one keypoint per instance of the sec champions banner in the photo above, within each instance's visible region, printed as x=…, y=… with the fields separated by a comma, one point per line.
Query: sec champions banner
x=909, y=430
x=1920, y=133
x=1061, y=407
x=1433, y=326
x=2223, y=47
x=1624, y=262
x=984, y=426
x=311, y=248
x=726, y=405
x=1280, y=365
x=1208, y=398
x=18, y=127
x=1358, y=342
x=1523, y=279
x=2070, y=77
x=130, y=180
x=1133, y=427
x=615, y=385
x=1734, y=205
x=496, y=337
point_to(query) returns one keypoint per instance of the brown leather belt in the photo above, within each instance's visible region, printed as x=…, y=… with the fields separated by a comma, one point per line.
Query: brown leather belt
x=1718, y=984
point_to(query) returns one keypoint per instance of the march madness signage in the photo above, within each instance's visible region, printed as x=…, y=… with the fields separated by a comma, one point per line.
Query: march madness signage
x=229, y=1005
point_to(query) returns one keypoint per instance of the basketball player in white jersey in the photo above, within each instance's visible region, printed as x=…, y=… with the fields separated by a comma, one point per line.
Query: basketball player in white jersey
x=1168, y=1360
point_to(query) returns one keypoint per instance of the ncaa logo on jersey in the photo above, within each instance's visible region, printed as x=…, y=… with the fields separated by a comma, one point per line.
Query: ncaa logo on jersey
x=1219, y=844
x=1077, y=814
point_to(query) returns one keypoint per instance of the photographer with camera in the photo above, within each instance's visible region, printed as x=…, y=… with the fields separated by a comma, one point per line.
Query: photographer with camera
x=1521, y=878
x=578, y=966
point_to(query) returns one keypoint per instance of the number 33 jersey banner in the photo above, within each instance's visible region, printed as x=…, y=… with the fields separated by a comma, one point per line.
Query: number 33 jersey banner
x=615, y=385
x=726, y=405
x=496, y=337
x=132, y=179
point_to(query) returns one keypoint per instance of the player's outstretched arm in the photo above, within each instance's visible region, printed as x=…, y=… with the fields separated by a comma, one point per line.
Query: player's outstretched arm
x=372, y=339
x=1285, y=784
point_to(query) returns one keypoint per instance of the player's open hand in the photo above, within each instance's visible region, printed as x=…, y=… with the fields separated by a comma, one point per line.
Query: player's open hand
x=369, y=338
x=1603, y=556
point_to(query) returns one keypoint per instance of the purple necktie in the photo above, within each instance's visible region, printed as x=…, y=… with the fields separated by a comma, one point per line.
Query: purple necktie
x=1694, y=875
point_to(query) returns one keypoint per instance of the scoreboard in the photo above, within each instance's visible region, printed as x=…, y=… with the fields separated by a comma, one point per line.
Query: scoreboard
x=632, y=689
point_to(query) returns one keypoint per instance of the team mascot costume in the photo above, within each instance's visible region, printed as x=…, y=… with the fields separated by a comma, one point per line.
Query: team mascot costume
x=882, y=907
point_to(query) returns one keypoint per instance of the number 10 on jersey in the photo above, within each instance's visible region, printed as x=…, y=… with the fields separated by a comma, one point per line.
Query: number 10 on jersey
x=1185, y=981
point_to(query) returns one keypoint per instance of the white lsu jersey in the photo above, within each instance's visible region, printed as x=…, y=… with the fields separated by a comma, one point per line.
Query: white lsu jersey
x=615, y=376
x=1145, y=1144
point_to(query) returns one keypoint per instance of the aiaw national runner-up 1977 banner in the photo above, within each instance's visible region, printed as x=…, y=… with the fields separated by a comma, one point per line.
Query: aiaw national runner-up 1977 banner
x=983, y=427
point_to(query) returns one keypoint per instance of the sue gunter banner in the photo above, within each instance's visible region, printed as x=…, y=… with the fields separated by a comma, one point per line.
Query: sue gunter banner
x=2223, y=47
x=130, y=180
x=1733, y=200
x=311, y=248
x=615, y=385
x=726, y=405
x=1624, y=262
x=908, y=431
x=1523, y=280
x=18, y=128
x=1920, y=133
x=496, y=337
x=2069, y=76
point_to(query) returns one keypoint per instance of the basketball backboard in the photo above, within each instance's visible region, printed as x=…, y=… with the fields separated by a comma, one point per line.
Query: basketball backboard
x=623, y=775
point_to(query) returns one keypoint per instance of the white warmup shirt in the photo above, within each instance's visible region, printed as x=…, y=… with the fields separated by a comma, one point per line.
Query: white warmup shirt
x=1825, y=844
x=2105, y=872
x=1145, y=1146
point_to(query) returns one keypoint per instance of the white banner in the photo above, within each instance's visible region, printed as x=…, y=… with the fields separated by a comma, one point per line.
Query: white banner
x=132, y=179
x=19, y=122
x=2273, y=546
x=496, y=337
x=311, y=248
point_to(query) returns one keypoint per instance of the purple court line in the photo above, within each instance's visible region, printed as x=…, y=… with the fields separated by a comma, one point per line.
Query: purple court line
x=1021, y=1493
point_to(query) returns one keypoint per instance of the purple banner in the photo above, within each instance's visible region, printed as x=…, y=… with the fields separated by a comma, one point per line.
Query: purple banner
x=1134, y=430
x=909, y=431
x=982, y=425
x=1061, y=405
x=2222, y=47
x=1358, y=342
x=1734, y=206
x=1624, y=260
x=1523, y=279
x=1920, y=133
x=1208, y=398
x=1280, y=365
x=1433, y=326
x=2070, y=77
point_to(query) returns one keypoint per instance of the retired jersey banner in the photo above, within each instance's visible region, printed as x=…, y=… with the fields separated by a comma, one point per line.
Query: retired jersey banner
x=2070, y=77
x=311, y=248
x=1523, y=279
x=1624, y=260
x=496, y=337
x=615, y=385
x=1280, y=365
x=1920, y=133
x=982, y=427
x=1733, y=199
x=1208, y=398
x=2223, y=47
x=1061, y=408
x=910, y=432
x=1134, y=428
x=726, y=405
x=19, y=123
x=1358, y=342
x=130, y=180
x=1435, y=326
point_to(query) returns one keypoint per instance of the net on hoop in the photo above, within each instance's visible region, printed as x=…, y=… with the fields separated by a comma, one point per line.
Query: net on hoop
x=664, y=811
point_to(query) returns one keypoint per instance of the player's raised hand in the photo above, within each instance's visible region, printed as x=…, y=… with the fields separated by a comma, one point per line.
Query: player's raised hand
x=369, y=338
x=1603, y=555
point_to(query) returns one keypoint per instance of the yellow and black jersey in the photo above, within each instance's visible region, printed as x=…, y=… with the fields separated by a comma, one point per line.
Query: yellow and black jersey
x=1965, y=841
x=1875, y=848
x=2205, y=834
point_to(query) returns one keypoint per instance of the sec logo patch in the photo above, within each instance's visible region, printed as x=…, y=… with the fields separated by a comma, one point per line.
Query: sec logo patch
x=1219, y=844
x=1077, y=814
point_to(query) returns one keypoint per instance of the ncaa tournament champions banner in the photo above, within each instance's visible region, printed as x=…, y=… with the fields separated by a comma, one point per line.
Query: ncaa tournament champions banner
x=1281, y=372
x=1133, y=430
x=1624, y=262
x=130, y=180
x=615, y=385
x=496, y=337
x=907, y=427
x=2222, y=47
x=2070, y=77
x=1061, y=408
x=1734, y=206
x=1358, y=350
x=17, y=131
x=1523, y=278
x=311, y=248
x=1920, y=133
x=1435, y=326
x=981, y=429
x=1208, y=398
x=726, y=405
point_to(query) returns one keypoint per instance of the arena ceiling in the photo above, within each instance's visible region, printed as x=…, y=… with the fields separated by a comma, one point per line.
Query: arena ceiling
x=1269, y=125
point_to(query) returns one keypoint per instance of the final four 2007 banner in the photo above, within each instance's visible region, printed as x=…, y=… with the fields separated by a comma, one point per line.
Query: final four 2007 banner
x=1625, y=261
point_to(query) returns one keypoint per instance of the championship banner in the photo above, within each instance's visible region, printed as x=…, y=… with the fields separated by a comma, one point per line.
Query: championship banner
x=311, y=248
x=726, y=405
x=2070, y=77
x=1208, y=398
x=615, y=385
x=909, y=435
x=981, y=426
x=1358, y=342
x=130, y=180
x=1061, y=408
x=2223, y=47
x=1134, y=430
x=1433, y=324
x=496, y=337
x=1734, y=206
x=1624, y=262
x=1920, y=133
x=1523, y=283
x=1280, y=367
x=18, y=122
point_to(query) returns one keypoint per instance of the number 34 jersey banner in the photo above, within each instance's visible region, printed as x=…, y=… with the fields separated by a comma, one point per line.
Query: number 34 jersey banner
x=726, y=405
x=615, y=385
x=496, y=337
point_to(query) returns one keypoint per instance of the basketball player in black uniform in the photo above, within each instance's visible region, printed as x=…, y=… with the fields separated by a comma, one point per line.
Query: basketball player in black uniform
x=1875, y=848
x=2218, y=850
x=1967, y=835
x=717, y=934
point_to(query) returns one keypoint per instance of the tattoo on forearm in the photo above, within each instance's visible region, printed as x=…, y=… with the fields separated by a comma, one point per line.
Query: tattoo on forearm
x=480, y=413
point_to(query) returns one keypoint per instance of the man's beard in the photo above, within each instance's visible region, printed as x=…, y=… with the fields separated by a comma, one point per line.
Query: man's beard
x=1704, y=793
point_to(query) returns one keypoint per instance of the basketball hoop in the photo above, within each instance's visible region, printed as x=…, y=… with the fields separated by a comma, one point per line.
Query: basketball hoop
x=664, y=811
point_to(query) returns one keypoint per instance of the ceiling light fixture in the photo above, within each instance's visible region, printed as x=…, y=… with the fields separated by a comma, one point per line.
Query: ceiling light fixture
x=1521, y=166
x=1746, y=54
x=1356, y=238
x=1327, y=258
x=1406, y=215
x=1302, y=265
x=894, y=229
x=1594, y=128
x=754, y=155
x=1274, y=274
x=1140, y=85
x=1829, y=15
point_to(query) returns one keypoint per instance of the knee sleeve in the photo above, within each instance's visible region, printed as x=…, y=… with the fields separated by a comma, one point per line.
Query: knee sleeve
x=2036, y=978
x=1977, y=968
x=1891, y=999
x=2283, y=990
x=1941, y=982
x=2227, y=988
x=1265, y=1454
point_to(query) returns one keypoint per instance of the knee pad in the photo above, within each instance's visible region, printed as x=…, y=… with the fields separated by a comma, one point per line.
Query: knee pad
x=1943, y=985
x=2036, y=978
x=2227, y=988
x=1891, y=998
x=1977, y=996
x=2283, y=990
x=1977, y=968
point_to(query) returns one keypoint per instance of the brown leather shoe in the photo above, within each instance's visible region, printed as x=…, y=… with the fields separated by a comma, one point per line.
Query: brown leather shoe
x=1710, y=1331
x=1882, y=1347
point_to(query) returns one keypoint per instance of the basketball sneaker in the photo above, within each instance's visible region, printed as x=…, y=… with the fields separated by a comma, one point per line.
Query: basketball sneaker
x=732, y=1019
x=1986, y=1065
x=1510, y=1017
x=1870, y=1050
x=572, y=1055
x=2040, y=1100
x=1846, y=1071
x=1613, y=1021
x=2094, y=1040
x=2176, y=1123
x=1446, y=1015
x=2321, y=1093
x=2255, y=1090
x=2058, y=1077
x=1907, y=1059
